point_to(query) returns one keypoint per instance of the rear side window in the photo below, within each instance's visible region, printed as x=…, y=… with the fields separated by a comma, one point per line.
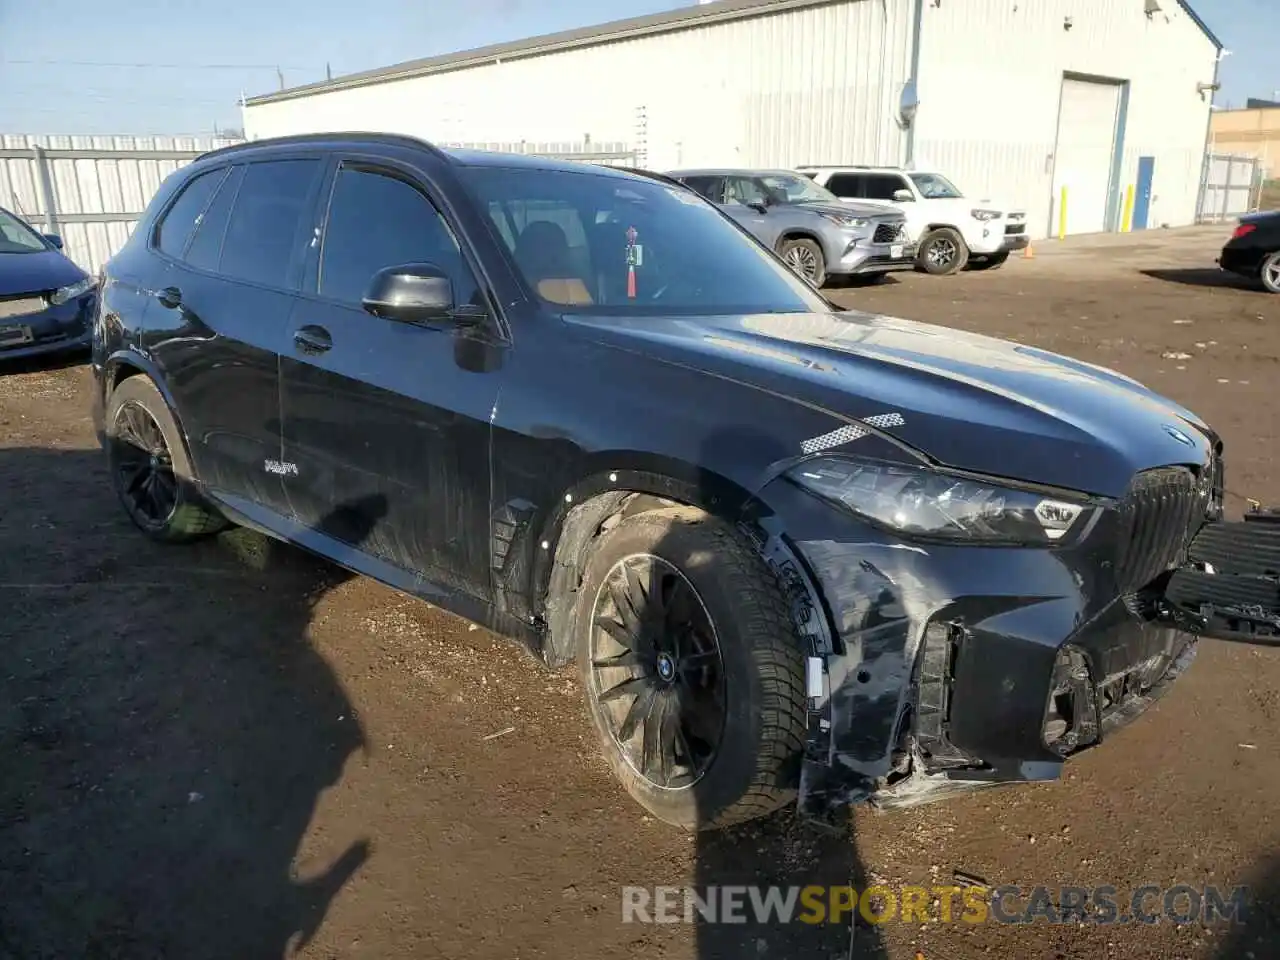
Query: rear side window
x=710, y=187
x=180, y=219
x=205, y=248
x=378, y=220
x=845, y=185
x=262, y=234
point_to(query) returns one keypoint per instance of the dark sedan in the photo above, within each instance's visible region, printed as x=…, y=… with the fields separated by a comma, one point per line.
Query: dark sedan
x=1254, y=250
x=46, y=301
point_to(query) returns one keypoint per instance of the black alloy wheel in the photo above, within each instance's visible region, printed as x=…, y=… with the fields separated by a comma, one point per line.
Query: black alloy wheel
x=656, y=671
x=143, y=466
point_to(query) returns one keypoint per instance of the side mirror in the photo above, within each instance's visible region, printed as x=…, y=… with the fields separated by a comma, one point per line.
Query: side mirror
x=411, y=293
x=759, y=206
x=903, y=195
x=54, y=239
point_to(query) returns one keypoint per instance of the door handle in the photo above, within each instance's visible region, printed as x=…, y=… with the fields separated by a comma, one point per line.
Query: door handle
x=170, y=298
x=312, y=339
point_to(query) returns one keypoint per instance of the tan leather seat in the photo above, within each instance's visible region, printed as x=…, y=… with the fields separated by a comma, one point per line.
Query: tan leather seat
x=542, y=252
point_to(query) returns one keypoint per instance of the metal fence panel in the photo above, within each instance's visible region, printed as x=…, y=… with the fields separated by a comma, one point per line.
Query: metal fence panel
x=1229, y=187
x=90, y=189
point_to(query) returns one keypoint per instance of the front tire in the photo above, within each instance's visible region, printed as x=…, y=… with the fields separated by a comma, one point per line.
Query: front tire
x=693, y=672
x=805, y=258
x=942, y=252
x=149, y=467
x=1269, y=274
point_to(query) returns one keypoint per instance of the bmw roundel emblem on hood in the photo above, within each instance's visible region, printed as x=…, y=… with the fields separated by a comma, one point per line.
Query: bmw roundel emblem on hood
x=1178, y=435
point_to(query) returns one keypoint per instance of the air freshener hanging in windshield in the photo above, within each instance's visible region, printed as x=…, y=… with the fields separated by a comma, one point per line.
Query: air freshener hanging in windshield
x=635, y=257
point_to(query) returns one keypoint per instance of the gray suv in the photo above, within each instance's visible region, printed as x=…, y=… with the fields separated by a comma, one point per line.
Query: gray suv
x=815, y=232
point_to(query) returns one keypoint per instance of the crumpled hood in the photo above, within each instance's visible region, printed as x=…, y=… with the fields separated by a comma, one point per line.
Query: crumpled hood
x=34, y=272
x=963, y=400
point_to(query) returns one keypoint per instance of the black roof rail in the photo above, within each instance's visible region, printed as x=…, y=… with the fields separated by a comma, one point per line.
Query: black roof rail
x=345, y=136
x=849, y=166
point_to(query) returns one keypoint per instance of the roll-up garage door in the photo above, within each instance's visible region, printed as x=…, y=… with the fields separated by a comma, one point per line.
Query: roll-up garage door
x=1087, y=124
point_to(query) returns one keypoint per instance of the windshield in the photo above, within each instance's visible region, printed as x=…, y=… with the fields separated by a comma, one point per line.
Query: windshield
x=17, y=237
x=934, y=186
x=599, y=243
x=794, y=188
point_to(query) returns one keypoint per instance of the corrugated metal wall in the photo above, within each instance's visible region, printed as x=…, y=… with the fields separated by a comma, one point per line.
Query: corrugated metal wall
x=818, y=84
x=991, y=80
x=84, y=187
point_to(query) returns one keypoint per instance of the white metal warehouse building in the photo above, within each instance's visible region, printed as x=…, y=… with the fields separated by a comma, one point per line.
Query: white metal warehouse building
x=1012, y=99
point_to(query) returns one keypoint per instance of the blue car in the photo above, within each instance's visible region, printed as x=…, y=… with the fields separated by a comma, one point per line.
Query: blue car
x=46, y=301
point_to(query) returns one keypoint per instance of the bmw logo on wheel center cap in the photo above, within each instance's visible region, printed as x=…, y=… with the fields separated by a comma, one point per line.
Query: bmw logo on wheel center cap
x=666, y=667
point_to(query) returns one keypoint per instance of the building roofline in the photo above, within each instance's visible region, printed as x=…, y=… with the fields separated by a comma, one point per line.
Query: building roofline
x=1199, y=22
x=684, y=18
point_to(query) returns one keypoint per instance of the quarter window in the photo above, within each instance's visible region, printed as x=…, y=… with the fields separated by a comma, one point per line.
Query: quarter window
x=262, y=235
x=180, y=220
x=205, y=249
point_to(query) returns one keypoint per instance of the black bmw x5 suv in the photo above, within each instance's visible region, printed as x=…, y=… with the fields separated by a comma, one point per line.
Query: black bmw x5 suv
x=794, y=550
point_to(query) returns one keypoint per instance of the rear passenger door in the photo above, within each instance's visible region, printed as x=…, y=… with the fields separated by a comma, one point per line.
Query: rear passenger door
x=386, y=423
x=848, y=186
x=221, y=326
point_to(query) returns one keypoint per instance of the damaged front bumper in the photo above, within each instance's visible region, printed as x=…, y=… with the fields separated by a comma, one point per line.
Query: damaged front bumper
x=942, y=669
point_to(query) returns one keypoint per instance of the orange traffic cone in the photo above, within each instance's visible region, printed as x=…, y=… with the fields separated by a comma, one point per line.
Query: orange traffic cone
x=1028, y=252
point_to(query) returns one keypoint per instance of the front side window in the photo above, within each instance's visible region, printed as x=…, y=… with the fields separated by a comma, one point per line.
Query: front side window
x=179, y=221
x=744, y=190
x=648, y=249
x=262, y=235
x=882, y=186
x=934, y=186
x=377, y=220
x=793, y=188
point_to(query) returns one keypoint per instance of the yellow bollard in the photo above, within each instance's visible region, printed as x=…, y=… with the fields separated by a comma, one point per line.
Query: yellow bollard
x=1126, y=223
x=1062, y=215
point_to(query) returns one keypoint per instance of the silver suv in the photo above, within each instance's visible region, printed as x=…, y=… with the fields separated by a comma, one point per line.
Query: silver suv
x=816, y=233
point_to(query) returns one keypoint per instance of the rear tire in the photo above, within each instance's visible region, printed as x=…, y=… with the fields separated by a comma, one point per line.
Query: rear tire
x=805, y=258
x=993, y=262
x=150, y=470
x=942, y=252
x=678, y=610
x=1269, y=274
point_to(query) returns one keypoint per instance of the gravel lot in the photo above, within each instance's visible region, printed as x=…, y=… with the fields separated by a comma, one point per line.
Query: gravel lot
x=234, y=750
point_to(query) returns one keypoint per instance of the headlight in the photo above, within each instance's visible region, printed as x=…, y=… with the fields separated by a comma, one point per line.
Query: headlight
x=71, y=291
x=921, y=502
x=984, y=215
x=841, y=220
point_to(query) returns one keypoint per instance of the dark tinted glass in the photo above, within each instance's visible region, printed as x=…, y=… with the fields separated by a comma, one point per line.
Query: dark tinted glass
x=845, y=185
x=263, y=233
x=648, y=249
x=881, y=186
x=709, y=187
x=175, y=229
x=206, y=246
x=377, y=220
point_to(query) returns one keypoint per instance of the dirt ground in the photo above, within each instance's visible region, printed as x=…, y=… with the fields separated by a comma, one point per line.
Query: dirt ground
x=233, y=750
